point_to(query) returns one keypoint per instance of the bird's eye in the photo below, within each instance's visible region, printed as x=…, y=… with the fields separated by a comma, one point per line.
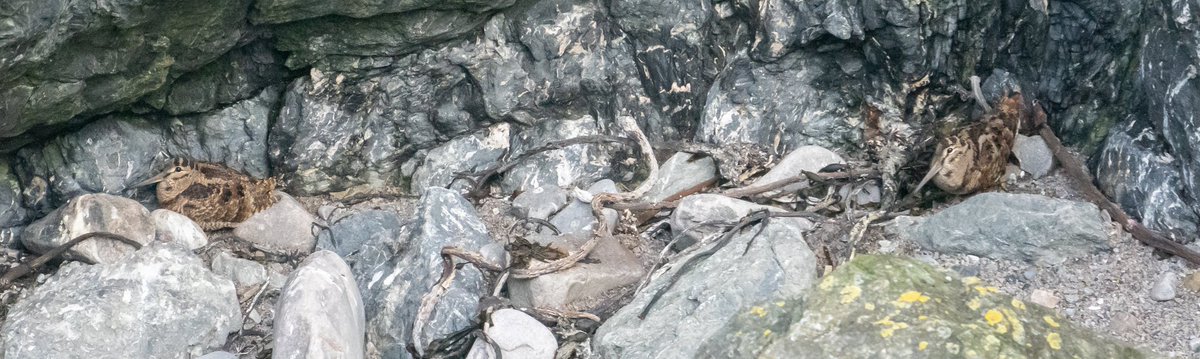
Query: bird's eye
x=178, y=169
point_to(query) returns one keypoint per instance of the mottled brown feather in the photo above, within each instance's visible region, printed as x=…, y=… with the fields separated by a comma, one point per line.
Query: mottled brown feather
x=213, y=195
x=974, y=158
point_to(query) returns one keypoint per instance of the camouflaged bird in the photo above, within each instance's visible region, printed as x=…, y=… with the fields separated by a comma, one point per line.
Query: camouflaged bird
x=975, y=157
x=212, y=195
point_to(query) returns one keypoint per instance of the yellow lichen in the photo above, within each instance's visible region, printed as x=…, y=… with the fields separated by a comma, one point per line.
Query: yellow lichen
x=1016, y=303
x=922, y=345
x=993, y=317
x=970, y=281
x=758, y=311
x=869, y=306
x=780, y=304
x=1050, y=321
x=850, y=293
x=922, y=317
x=1054, y=340
x=1002, y=329
x=983, y=291
x=766, y=333
x=889, y=327
x=826, y=284
x=974, y=304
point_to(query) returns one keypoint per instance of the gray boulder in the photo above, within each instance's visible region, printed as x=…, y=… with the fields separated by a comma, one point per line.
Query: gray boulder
x=516, y=335
x=1022, y=227
x=471, y=153
x=583, y=285
x=284, y=228
x=395, y=272
x=87, y=214
x=1145, y=180
x=774, y=265
x=701, y=216
x=680, y=175
x=159, y=302
x=320, y=312
x=174, y=227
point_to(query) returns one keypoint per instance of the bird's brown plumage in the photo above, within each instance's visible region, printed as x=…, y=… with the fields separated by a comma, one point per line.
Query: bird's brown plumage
x=974, y=158
x=212, y=195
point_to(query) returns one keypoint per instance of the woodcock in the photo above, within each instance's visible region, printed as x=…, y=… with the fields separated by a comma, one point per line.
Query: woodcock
x=974, y=158
x=212, y=195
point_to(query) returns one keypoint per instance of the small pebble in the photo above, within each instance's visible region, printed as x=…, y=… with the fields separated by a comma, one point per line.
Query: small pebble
x=1194, y=344
x=1030, y=274
x=1192, y=282
x=886, y=246
x=1044, y=298
x=1164, y=289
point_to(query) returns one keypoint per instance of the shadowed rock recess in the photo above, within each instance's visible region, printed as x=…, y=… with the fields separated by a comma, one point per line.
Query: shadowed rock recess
x=342, y=100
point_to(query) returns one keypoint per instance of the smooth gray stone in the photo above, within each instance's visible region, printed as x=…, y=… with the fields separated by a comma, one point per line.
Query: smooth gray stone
x=320, y=313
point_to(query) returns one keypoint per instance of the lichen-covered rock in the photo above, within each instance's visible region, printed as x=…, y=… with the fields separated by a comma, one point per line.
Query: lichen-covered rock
x=159, y=302
x=62, y=59
x=893, y=307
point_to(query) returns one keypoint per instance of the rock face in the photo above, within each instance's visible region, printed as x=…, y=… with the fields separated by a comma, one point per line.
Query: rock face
x=1136, y=172
x=159, y=302
x=1022, y=227
x=88, y=58
x=112, y=154
x=87, y=214
x=891, y=307
x=776, y=265
x=320, y=312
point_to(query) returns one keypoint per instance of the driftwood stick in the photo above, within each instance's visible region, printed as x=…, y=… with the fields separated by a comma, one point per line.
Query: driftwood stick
x=23, y=269
x=1075, y=170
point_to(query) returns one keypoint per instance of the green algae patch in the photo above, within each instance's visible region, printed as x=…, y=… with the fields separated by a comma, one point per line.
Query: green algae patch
x=899, y=308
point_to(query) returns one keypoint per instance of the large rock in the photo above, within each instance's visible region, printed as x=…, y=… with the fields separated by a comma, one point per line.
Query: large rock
x=516, y=335
x=174, y=227
x=788, y=102
x=87, y=214
x=320, y=312
x=395, y=264
x=775, y=264
x=159, y=302
x=892, y=307
x=467, y=154
x=795, y=163
x=1022, y=227
x=114, y=153
x=1135, y=171
x=680, y=175
x=12, y=212
x=284, y=228
x=701, y=216
x=59, y=59
x=339, y=43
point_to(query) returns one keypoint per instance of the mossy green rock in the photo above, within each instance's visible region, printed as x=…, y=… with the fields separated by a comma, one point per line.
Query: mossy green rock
x=893, y=307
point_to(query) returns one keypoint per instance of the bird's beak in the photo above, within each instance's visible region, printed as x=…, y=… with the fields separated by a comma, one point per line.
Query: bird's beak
x=152, y=180
x=933, y=170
